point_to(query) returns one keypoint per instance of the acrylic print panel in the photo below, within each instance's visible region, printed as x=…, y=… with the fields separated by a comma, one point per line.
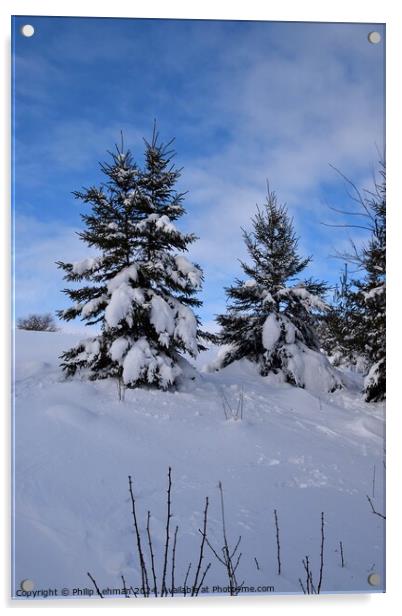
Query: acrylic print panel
x=199, y=381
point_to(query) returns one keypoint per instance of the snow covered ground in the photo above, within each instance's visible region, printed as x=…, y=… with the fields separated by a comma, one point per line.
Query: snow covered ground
x=75, y=445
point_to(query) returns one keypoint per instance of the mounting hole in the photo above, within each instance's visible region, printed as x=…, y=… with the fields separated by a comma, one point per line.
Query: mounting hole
x=27, y=30
x=27, y=585
x=374, y=579
x=374, y=37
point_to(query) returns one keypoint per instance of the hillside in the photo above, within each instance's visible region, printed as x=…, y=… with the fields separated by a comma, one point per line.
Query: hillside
x=76, y=444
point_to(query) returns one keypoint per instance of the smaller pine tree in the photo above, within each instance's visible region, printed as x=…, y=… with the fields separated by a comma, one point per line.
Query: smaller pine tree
x=271, y=317
x=337, y=327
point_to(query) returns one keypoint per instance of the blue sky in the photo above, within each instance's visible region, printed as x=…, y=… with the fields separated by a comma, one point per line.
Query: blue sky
x=245, y=101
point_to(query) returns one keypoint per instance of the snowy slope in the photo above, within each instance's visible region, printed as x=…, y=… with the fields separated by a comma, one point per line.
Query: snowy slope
x=76, y=444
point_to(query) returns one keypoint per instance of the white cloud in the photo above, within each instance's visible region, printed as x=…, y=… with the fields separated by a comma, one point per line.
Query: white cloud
x=38, y=281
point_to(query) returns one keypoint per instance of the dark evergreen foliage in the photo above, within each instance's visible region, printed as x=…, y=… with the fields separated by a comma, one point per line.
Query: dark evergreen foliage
x=370, y=296
x=139, y=288
x=359, y=327
x=336, y=326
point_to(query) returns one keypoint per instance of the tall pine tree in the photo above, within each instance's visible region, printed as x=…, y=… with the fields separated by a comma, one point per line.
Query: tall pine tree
x=365, y=329
x=139, y=288
x=370, y=294
x=270, y=318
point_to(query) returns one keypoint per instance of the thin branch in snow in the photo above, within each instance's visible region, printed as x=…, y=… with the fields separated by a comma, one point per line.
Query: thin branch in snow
x=306, y=566
x=168, y=516
x=95, y=584
x=185, y=580
x=236, y=546
x=152, y=554
x=373, y=510
x=144, y=574
x=125, y=589
x=342, y=559
x=203, y=577
x=213, y=550
x=174, y=559
x=278, y=545
x=204, y=539
x=232, y=412
x=321, y=554
x=227, y=555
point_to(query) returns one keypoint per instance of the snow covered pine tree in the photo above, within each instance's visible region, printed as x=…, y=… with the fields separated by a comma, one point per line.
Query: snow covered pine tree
x=269, y=321
x=364, y=332
x=337, y=328
x=139, y=287
x=370, y=295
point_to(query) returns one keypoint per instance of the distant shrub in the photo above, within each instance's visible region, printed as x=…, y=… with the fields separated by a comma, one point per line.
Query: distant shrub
x=38, y=323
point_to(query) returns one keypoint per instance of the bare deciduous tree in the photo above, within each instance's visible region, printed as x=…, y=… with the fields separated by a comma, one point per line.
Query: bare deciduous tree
x=38, y=323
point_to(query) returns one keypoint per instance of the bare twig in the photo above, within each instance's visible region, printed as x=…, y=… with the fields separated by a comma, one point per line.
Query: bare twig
x=155, y=589
x=342, y=559
x=227, y=555
x=204, y=539
x=310, y=588
x=349, y=226
x=185, y=580
x=125, y=587
x=225, y=550
x=169, y=515
x=231, y=412
x=278, y=545
x=144, y=574
x=373, y=510
x=321, y=555
x=313, y=590
x=306, y=566
x=223, y=515
x=213, y=550
x=173, y=559
x=236, y=546
x=203, y=578
x=95, y=584
x=237, y=562
x=358, y=198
